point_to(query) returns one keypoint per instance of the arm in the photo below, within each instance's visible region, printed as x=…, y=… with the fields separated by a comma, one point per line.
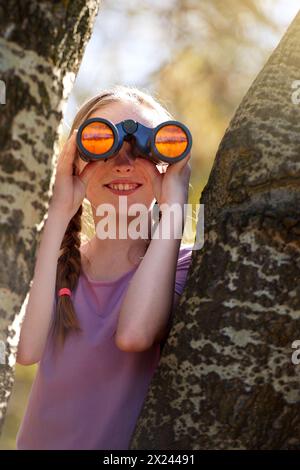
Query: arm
x=164, y=333
x=69, y=192
x=148, y=302
x=38, y=312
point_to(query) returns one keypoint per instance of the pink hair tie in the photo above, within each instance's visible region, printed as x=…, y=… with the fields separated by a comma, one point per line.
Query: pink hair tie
x=64, y=291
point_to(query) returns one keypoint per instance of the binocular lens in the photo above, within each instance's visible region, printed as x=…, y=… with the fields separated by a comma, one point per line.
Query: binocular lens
x=97, y=137
x=171, y=141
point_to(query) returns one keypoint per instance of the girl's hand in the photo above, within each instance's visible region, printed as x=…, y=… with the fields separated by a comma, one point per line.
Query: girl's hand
x=70, y=190
x=172, y=186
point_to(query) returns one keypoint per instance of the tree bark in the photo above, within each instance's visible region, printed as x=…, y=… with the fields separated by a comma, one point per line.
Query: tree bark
x=41, y=47
x=226, y=379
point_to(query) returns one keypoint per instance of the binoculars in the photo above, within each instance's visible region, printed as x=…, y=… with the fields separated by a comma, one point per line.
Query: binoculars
x=100, y=139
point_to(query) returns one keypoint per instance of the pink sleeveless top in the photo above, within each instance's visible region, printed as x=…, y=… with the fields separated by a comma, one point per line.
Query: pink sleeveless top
x=91, y=394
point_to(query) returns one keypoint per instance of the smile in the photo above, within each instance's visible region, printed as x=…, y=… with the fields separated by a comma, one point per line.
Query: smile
x=122, y=188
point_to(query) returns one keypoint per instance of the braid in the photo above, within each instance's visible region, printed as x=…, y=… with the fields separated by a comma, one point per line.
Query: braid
x=68, y=272
x=65, y=320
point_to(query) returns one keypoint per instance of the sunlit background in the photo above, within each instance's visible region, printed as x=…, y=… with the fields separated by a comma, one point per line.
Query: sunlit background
x=199, y=57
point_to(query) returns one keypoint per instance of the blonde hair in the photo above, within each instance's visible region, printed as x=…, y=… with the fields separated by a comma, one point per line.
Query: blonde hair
x=69, y=262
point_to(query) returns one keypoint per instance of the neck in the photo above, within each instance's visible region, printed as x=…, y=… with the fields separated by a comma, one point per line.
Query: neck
x=110, y=257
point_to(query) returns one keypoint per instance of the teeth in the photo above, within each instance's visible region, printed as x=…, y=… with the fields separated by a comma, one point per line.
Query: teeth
x=123, y=187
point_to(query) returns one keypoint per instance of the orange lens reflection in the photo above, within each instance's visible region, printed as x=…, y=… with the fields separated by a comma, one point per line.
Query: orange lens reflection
x=171, y=141
x=97, y=137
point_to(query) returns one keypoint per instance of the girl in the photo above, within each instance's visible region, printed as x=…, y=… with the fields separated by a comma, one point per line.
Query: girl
x=107, y=303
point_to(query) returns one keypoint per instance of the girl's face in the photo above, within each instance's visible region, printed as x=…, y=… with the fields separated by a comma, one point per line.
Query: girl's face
x=123, y=167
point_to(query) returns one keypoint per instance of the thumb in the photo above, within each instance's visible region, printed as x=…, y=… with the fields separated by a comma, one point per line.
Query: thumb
x=87, y=172
x=157, y=184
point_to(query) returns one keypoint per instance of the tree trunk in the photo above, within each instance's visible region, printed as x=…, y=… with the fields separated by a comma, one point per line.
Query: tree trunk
x=226, y=379
x=41, y=47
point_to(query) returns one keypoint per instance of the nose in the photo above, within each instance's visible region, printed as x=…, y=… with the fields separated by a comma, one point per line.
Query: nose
x=124, y=160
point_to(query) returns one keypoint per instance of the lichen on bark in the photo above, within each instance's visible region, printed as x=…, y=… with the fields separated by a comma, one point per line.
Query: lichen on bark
x=41, y=48
x=226, y=379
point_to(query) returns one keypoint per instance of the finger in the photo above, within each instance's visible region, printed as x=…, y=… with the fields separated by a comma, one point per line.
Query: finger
x=65, y=164
x=157, y=185
x=67, y=145
x=177, y=167
x=182, y=163
x=87, y=172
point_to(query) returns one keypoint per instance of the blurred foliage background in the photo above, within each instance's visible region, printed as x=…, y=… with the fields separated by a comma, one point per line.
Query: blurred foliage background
x=198, y=57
